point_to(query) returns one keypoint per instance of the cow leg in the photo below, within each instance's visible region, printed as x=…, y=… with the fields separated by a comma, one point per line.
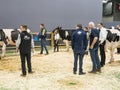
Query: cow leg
x=105, y=48
x=66, y=44
x=112, y=55
x=3, y=50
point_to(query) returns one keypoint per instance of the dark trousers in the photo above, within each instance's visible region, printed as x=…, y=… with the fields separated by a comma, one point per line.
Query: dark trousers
x=24, y=58
x=76, y=56
x=102, y=53
x=43, y=45
x=95, y=59
x=118, y=50
x=56, y=45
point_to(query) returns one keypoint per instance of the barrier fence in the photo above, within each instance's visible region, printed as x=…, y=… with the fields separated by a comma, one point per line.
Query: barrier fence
x=49, y=39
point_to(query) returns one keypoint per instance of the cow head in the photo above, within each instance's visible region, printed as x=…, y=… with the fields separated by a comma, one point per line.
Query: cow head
x=57, y=29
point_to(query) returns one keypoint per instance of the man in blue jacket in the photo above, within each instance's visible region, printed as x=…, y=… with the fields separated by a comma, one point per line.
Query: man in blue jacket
x=79, y=46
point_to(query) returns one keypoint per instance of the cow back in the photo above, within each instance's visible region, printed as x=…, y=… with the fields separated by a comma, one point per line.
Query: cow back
x=113, y=35
x=62, y=33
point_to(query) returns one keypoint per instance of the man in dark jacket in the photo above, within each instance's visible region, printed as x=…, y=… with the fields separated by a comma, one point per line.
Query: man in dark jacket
x=94, y=44
x=79, y=46
x=24, y=44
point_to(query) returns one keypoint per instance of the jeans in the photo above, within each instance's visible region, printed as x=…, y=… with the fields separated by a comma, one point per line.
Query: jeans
x=76, y=56
x=43, y=45
x=95, y=59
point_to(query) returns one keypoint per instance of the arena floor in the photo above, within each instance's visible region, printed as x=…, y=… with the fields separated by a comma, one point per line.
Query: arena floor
x=54, y=72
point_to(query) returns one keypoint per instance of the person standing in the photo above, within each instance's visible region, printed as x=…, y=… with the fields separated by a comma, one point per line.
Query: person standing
x=94, y=44
x=79, y=46
x=24, y=44
x=43, y=35
x=102, y=42
x=56, y=40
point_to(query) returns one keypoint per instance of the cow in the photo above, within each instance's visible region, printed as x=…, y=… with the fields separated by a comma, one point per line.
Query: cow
x=112, y=41
x=8, y=37
x=11, y=35
x=65, y=34
x=3, y=42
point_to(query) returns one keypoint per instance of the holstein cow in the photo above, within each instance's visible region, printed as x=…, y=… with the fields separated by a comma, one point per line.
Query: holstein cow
x=112, y=41
x=3, y=41
x=8, y=37
x=65, y=34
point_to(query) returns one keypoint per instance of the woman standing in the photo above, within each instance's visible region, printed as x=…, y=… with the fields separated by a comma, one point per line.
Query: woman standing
x=56, y=40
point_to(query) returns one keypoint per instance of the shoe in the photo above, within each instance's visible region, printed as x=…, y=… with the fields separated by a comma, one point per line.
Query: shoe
x=98, y=70
x=23, y=75
x=93, y=72
x=46, y=53
x=74, y=72
x=31, y=72
x=82, y=73
x=102, y=65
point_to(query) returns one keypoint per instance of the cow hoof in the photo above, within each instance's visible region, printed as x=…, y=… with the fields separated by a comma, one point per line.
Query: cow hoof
x=67, y=50
x=110, y=62
x=2, y=57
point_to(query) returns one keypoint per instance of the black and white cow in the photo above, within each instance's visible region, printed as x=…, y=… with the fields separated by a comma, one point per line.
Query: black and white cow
x=8, y=37
x=65, y=34
x=12, y=35
x=112, y=41
x=3, y=42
